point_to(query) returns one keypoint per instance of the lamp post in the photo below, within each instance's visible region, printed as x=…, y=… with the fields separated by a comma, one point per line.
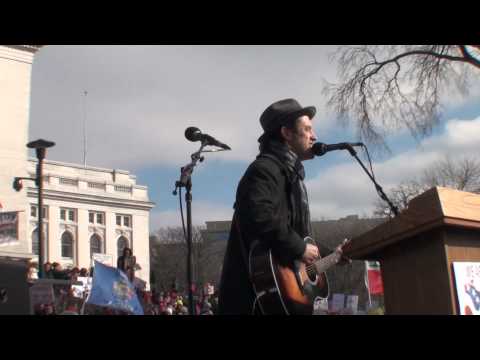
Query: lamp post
x=40, y=147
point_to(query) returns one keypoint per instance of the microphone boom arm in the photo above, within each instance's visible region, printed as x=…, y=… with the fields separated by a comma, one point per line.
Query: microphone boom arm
x=187, y=170
x=379, y=189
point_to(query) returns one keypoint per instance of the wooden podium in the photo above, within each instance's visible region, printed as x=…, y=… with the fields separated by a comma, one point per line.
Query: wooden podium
x=416, y=250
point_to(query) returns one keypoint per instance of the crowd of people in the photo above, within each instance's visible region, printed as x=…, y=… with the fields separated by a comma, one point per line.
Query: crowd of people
x=56, y=271
x=170, y=302
x=175, y=303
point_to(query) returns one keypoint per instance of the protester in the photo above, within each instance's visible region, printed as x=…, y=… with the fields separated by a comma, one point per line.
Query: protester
x=58, y=272
x=127, y=263
x=47, y=271
x=32, y=272
x=83, y=272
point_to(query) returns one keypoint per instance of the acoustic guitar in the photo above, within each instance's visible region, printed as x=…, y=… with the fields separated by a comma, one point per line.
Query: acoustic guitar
x=288, y=289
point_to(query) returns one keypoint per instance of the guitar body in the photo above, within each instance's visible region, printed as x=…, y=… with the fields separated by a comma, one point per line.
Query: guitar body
x=284, y=289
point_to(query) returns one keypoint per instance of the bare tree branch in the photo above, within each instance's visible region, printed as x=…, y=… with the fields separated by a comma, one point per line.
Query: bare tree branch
x=387, y=88
x=461, y=174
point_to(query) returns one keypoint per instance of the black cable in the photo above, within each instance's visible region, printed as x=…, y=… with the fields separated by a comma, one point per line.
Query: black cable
x=181, y=213
x=373, y=174
x=369, y=161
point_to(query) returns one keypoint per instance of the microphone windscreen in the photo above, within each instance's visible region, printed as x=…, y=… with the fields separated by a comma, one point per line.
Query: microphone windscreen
x=192, y=133
x=319, y=149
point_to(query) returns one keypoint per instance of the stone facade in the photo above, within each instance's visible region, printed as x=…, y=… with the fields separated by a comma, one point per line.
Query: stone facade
x=87, y=209
x=97, y=210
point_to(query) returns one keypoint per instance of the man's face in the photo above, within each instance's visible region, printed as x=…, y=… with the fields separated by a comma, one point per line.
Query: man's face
x=301, y=138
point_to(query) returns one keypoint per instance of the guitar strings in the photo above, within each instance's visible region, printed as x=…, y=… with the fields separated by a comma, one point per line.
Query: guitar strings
x=311, y=269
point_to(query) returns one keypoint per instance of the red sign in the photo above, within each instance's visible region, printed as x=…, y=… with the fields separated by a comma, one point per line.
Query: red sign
x=374, y=278
x=375, y=283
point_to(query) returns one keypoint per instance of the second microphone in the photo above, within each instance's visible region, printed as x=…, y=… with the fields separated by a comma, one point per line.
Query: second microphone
x=194, y=134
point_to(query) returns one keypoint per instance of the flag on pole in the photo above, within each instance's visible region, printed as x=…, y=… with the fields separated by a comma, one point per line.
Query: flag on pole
x=373, y=277
x=111, y=288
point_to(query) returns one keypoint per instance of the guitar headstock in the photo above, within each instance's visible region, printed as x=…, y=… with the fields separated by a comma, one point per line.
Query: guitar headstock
x=342, y=249
x=346, y=245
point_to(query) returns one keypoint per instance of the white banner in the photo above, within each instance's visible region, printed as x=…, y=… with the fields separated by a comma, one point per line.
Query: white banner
x=105, y=259
x=8, y=228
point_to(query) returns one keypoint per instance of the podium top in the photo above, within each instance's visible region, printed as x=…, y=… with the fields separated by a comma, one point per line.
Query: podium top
x=436, y=207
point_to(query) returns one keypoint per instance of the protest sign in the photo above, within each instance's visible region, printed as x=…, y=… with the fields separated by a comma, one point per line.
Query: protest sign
x=467, y=280
x=8, y=228
x=352, y=304
x=338, y=302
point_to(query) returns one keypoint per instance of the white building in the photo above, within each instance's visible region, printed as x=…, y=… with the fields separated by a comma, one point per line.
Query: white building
x=87, y=210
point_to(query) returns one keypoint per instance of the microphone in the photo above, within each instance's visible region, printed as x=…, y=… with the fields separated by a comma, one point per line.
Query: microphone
x=320, y=149
x=194, y=134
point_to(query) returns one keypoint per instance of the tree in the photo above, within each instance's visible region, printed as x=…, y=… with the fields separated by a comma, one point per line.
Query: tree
x=391, y=87
x=463, y=174
x=168, y=256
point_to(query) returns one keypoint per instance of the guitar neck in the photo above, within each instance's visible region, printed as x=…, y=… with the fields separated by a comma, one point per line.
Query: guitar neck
x=323, y=264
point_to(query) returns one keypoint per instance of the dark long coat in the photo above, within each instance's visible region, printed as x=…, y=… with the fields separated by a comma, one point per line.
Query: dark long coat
x=263, y=209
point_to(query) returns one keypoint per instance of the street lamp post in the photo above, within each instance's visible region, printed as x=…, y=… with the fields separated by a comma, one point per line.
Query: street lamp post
x=40, y=147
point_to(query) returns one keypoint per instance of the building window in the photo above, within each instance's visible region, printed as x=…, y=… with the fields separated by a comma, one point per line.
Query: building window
x=95, y=217
x=34, y=212
x=124, y=220
x=122, y=243
x=67, y=245
x=68, y=215
x=95, y=245
x=66, y=181
x=35, y=243
x=71, y=215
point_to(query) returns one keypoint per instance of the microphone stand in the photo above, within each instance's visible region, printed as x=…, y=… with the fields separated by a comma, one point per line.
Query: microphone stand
x=379, y=189
x=186, y=182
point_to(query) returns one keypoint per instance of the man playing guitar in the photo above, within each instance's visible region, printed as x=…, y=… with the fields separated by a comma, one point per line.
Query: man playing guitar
x=272, y=222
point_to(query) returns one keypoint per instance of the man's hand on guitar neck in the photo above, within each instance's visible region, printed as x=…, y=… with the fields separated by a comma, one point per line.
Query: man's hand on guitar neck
x=343, y=260
x=311, y=254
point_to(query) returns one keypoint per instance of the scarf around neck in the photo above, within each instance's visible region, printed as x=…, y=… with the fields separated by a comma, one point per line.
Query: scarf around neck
x=298, y=193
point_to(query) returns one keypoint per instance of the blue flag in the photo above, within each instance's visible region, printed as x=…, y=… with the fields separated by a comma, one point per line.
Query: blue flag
x=111, y=288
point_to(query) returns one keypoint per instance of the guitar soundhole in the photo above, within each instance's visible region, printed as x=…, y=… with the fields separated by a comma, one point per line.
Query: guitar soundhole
x=312, y=275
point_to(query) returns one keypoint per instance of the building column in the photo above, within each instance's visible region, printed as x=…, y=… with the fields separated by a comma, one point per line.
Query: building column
x=141, y=245
x=110, y=237
x=83, y=240
x=53, y=237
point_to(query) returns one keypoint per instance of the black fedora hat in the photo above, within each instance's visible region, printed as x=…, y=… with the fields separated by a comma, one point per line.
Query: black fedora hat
x=277, y=114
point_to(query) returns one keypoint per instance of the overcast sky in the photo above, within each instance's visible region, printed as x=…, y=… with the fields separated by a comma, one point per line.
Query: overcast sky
x=140, y=100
